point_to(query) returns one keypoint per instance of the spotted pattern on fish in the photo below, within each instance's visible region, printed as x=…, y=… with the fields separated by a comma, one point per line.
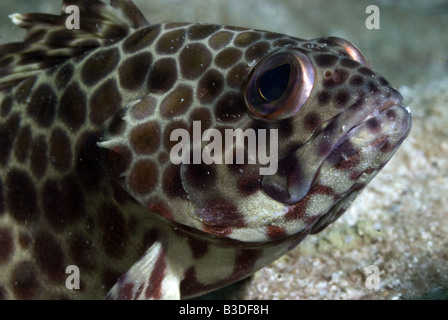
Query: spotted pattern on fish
x=85, y=171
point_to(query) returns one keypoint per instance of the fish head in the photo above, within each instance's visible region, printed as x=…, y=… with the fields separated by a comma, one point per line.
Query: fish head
x=347, y=121
x=259, y=135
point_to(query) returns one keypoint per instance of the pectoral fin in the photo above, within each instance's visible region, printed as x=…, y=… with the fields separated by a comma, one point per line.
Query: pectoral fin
x=149, y=278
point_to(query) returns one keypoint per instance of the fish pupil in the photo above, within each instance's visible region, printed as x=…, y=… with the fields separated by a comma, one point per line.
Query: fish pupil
x=274, y=82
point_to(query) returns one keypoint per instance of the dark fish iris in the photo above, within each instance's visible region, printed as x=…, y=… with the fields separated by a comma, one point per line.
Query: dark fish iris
x=274, y=82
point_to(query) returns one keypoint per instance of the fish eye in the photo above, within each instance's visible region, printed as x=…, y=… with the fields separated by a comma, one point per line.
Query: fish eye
x=279, y=85
x=274, y=82
x=351, y=49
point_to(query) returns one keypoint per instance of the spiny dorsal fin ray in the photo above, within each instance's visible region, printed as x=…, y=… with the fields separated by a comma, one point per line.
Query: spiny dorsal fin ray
x=48, y=40
x=130, y=12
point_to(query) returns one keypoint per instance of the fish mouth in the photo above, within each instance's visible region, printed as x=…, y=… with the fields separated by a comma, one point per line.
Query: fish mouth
x=370, y=129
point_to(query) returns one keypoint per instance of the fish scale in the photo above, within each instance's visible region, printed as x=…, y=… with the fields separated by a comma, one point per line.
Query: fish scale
x=86, y=174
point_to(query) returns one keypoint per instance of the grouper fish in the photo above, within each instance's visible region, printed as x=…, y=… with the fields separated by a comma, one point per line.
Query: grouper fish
x=164, y=161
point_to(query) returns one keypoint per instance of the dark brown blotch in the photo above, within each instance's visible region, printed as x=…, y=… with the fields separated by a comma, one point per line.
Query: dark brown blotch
x=383, y=82
x=340, y=76
x=39, y=156
x=99, y=65
x=342, y=155
x=105, y=102
x=235, y=28
x=220, y=39
x=257, y=51
x=372, y=87
x=374, y=125
x=42, y=106
x=63, y=202
x=73, y=107
x=109, y=278
x=387, y=147
x=148, y=239
x=114, y=33
x=173, y=125
x=8, y=133
x=86, y=159
x=285, y=128
x=141, y=39
x=276, y=233
x=154, y=288
x=21, y=196
x=219, y=213
x=201, y=176
x=143, y=177
x=160, y=207
x=341, y=98
x=49, y=256
x=348, y=163
x=237, y=75
x=312, y=120
x=323, y=97
x=117, y=160
x=133, y=70
x=162, y=76
x=230, y=108
x=24, y=280
x=175, y=25
x=391, y=115
x=144, y=108
x=172, y=182
x=194, y=60
x=285, y=42
x=170, y=42
x=249, y=185
x=6, y=245
x=114, y=230
x=117, y=125
x=60, y=150
x=245, y=260
x=6, y=106
x=146, y=138
x=349, y=63
x=325, y=60
x=202, y=31
x=244, y=39
x=365, y=71
x=25, y=240
x=272, y=35
x=228, y=57
x=64, y=75
x=24, y=89
x=210, y=86
x=319, y=188
x=177, y=102
x=323, y=149
x=2, y=199
x=198, y=247
x=83, y=252
x=356, y=81
x=203, y=115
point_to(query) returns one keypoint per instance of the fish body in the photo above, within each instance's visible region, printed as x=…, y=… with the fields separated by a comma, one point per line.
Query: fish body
x=87, y=132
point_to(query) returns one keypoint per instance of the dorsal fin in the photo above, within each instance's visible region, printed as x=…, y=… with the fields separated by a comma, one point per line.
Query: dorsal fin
x=48, y=40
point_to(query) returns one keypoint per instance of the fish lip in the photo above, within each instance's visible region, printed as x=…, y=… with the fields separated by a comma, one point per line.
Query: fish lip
x=380, y=103
x=356, y=115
